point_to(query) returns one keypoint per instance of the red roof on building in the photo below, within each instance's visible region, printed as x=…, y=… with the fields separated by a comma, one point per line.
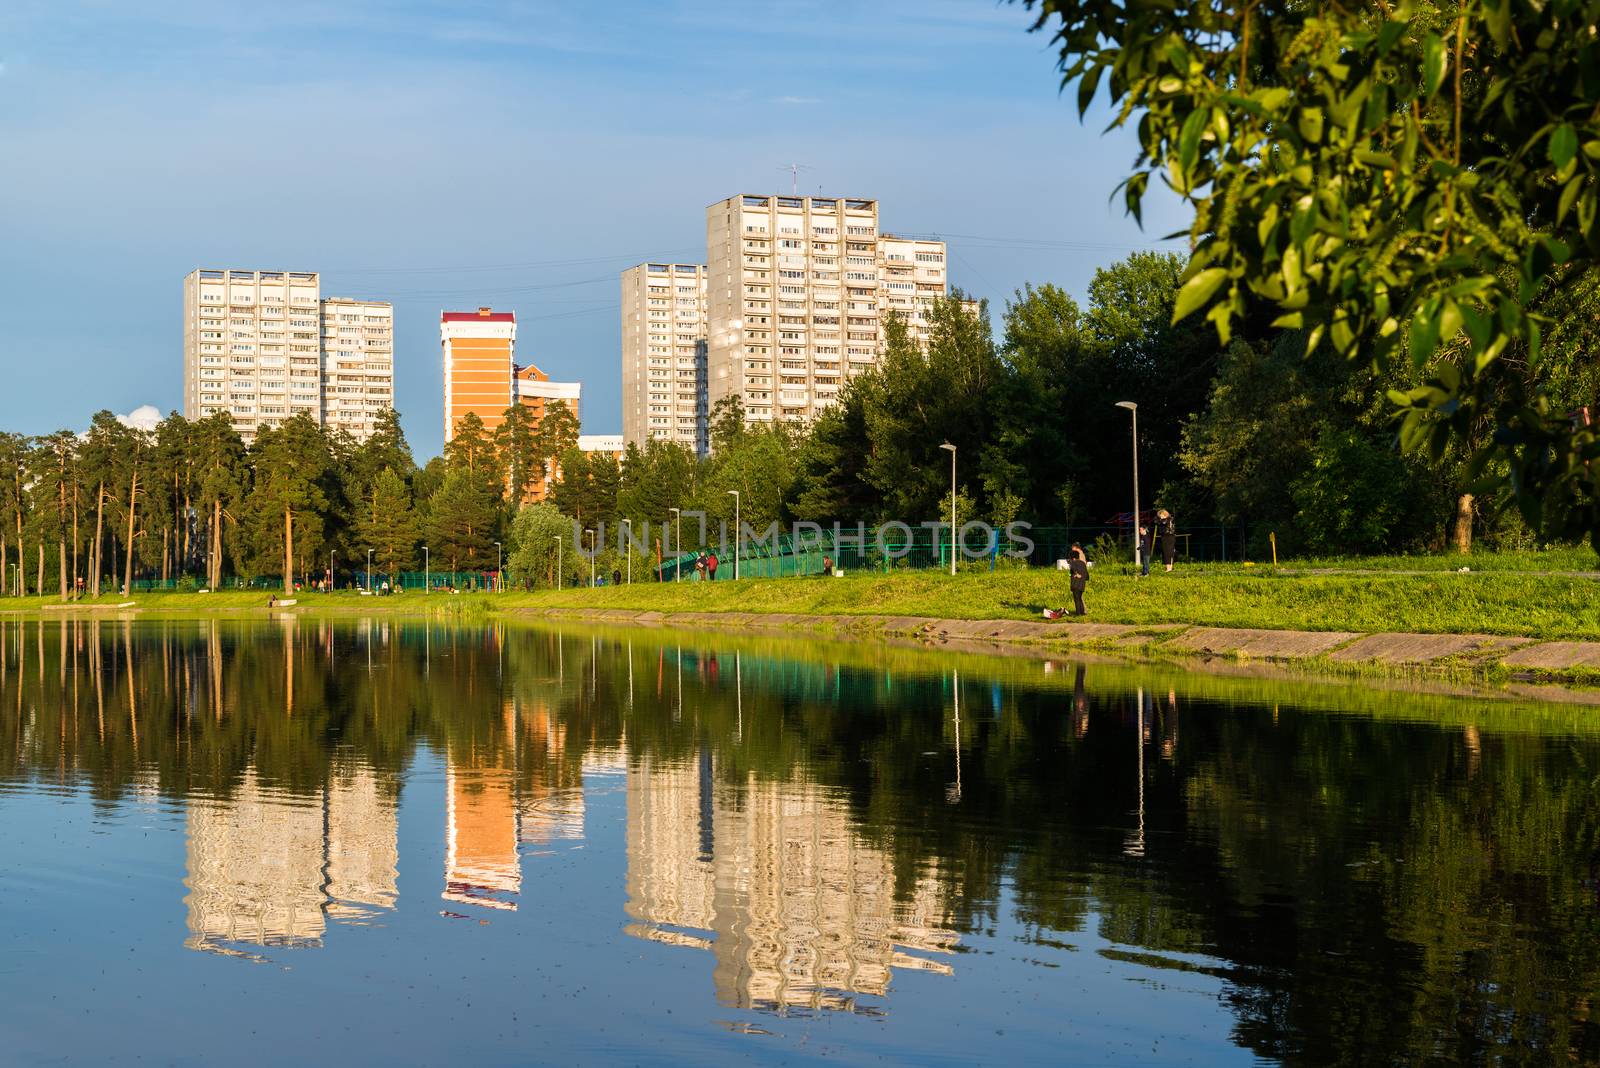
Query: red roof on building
x=478, y=317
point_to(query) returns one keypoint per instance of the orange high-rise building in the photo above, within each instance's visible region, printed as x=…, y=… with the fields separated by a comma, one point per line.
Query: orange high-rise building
x=481, y=375
x=479, y=348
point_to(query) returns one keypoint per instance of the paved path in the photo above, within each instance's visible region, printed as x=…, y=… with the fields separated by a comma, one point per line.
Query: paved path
x=1471, y=651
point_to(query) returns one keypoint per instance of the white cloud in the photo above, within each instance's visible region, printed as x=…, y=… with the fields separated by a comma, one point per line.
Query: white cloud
x=144, y=417
x=797, y=100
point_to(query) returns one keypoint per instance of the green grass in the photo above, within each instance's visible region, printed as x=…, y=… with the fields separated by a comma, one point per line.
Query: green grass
x=1566, y=558
x=1505, y=600
x=1494, y=603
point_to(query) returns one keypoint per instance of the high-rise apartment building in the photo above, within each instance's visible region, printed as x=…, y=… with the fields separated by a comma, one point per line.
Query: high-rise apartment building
x=479, y=365
x=664, y=354
x=482, y=376
x=253, y=346
x=357, y=363
x=797, y=294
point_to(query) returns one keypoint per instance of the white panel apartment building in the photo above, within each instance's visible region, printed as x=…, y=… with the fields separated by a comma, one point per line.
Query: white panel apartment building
x=664, y=354
x=797, y=293
x=357, y=363
x=264, y=345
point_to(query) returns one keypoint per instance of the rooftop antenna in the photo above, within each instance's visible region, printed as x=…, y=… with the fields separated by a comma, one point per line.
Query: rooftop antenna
x=794, y=170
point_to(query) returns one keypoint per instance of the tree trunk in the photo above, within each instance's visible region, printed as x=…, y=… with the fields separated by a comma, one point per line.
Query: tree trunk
x=74, y=541
x=22, y=559
x=39, y=585
x=61, y=529
x=214, y=579
x=133, y=500
x=99, y=544
x=288, y=551
x=1463, y=530
x=5, y=570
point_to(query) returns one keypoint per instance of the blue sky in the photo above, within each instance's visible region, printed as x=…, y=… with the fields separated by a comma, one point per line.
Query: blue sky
x=446, y=155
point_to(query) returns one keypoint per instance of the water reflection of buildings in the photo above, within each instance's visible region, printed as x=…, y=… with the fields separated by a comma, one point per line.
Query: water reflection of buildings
x=510, y=791
x=798, y=911
x=268, y=868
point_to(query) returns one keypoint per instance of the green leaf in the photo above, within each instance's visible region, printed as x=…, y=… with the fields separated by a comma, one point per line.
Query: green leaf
x=1569, y=194
x=1310, y=123
x=1198, y=290
x=1189, y=139
x=1563, y=144
x=1392, y=31
x=1088, y=85
x=1435, y=62
x=1424, y=333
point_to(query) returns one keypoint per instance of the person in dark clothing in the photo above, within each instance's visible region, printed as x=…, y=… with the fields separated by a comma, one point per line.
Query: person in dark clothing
x=1167, y=531
x=616, y=576
x=1147, y=540
x=1078, y=575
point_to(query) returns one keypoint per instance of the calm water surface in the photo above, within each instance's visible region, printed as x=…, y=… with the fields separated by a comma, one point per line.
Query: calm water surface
x=388, y=842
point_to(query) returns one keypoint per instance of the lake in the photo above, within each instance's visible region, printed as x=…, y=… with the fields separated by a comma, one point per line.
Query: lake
x=387, y=841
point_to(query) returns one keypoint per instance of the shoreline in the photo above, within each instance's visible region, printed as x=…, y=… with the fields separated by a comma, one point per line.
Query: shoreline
x=1479, y=657
x=1483, y=658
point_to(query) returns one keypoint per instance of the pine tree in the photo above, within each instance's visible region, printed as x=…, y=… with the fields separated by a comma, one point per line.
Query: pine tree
x=461, y=520
x=288, y=499
x=517, y=439
x=388, y=525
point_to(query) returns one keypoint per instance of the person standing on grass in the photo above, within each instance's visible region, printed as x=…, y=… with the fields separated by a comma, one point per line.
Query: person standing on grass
x=1078, y=580
x=1147, y=541
x=1167, y=531
x=711, y=567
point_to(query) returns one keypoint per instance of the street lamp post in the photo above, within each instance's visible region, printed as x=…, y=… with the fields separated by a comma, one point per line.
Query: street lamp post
x=369, y=570
x=590, y=532
x=499, y=583
x=735, y=495
x=1138, y=546
x=558, y=561
x=952, y=449
x=677, y=542
x=427, y=571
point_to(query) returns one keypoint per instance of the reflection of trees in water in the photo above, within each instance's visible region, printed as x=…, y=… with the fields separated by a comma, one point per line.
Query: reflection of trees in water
x=1366, y=883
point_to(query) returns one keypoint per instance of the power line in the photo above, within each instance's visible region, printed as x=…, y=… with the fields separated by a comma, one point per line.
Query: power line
x=528, y=265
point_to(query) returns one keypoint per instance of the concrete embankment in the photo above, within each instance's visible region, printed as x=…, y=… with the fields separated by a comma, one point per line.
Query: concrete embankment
x=1337, y=651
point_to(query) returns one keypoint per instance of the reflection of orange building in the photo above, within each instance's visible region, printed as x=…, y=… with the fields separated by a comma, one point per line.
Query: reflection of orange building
x=550, y=807
x=481, y=862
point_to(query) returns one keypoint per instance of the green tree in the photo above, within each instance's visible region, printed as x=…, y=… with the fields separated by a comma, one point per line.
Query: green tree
x=461, y=520
x=655, y=478
x=219, y=477
x=55, y=491
x=1390, y=179
x=387, y=524
x=521, y=452
x=831, y=469
x=924, y=398
x=288, y=496
x=558, y=432
x=535, y=557
x=14, y=462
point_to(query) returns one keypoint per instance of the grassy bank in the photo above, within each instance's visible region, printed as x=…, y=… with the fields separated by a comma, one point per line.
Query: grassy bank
x=1498, y=601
